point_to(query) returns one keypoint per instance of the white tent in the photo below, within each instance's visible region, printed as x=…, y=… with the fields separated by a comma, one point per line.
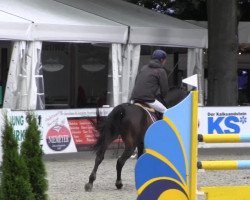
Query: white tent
x=35, y=20
x=124, y=25
x=13, y=27
x=146, y=26
x=96, y=21
x=53, y=21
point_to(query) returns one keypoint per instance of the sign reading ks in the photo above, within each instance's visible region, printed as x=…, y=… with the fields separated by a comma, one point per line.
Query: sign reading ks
x=227, y=121
x=229, y=124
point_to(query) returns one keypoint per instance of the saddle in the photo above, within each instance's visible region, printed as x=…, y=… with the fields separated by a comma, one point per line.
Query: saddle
x=151, y=111
x=145, y=107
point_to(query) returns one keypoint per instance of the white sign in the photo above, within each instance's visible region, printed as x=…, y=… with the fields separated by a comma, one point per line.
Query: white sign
x=72, y=130
x=62, y=131
x=221, y=120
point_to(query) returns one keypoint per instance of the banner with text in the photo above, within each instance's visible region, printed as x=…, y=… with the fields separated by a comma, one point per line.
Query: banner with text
x=72, y=130
x=62, y=131
x=221, y=120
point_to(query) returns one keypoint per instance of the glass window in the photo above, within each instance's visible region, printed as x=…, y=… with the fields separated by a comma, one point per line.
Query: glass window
x=92, y=75
x=75, y=75
x=56, y=71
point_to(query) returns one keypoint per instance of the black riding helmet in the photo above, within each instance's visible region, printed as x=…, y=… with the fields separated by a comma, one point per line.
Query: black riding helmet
x=159, y=54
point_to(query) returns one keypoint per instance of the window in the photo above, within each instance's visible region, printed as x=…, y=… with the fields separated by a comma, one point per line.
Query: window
x=75, y=75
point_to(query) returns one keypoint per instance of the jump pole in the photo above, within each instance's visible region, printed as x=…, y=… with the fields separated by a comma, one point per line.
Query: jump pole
x=224, y=164
x=223, y=138
x=225, y=192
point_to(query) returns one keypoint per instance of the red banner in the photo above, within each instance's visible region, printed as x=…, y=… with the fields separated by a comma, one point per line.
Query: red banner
x=84, y=132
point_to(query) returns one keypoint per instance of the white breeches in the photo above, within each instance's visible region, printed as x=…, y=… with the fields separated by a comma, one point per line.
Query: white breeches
x=158, y=106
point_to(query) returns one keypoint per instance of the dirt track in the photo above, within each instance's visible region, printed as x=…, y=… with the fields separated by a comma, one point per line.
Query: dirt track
x=68, y=173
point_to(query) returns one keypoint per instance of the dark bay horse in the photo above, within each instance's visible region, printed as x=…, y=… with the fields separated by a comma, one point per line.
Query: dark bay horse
x=130, y=122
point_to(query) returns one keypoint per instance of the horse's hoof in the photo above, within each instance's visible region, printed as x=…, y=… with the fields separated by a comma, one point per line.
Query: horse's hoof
x=88, y=187
x=118, y=185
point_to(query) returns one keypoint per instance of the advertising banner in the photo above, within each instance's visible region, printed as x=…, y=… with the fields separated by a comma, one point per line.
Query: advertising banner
x=62, y=131
x=221, y=120
x=73, y=130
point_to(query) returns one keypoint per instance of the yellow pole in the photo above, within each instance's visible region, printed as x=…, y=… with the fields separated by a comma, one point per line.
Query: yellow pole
x=194, y=146
x=218, y=165
x=219, y=138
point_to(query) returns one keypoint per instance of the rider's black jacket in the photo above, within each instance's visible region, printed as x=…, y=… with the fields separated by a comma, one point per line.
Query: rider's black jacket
x=151, y=80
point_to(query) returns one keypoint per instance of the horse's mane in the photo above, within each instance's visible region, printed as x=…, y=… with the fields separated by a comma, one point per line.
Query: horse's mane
x=175, y=95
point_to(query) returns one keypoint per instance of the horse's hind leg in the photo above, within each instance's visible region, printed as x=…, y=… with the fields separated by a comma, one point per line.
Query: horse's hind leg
x=120, y=163
x=99, y=158
x=140, y=149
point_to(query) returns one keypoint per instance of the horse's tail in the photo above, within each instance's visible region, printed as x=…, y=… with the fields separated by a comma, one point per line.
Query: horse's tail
x=109, y=129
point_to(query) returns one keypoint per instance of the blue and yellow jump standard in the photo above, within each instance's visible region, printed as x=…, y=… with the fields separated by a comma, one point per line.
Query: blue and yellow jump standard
x=167, y=170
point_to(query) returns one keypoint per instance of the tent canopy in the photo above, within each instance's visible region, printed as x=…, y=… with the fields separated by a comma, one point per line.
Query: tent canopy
x=13, y=27
x=146, y=26
x=53, y=21
x=105, y=21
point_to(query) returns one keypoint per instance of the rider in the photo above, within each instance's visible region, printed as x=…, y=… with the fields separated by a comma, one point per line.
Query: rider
x=152, y=81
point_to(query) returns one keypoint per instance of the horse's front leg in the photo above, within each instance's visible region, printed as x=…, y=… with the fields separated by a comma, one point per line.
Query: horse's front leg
x=120, y=163
x=99, y=158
